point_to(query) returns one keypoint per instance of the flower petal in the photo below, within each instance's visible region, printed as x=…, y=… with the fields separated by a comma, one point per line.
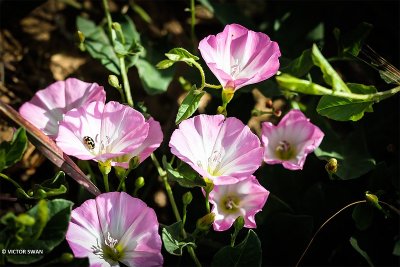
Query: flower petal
x=49, y=105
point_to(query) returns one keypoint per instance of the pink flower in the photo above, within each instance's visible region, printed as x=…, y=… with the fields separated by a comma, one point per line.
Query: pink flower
x=244, y=198
x=49, y=105
x=291, y=140
x=151, y=143
x=115, y=227
x=103, y=132
x=239, y=57
x=223, y=150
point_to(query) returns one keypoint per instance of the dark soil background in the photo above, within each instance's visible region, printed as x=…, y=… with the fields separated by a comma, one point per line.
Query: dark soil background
x=38, y=47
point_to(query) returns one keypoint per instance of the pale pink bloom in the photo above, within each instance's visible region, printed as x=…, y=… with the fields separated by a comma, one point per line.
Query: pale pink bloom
x=244, y=198
x=48, y=106
x=291, y=140
x=223, y=150
x=238, y=56
x=113, y=228
x=151, y=143
x=102, y=132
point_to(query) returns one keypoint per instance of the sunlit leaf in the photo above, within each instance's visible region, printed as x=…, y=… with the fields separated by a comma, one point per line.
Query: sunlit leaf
x=153, y=80
x=331, y=77
x=184, y=175
x=172, y=240
x=189, y=104
x=12, y=152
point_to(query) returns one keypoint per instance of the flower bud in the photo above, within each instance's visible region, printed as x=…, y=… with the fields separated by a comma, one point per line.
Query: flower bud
x=80, y=36
x=113, y=81
x=116, y=26
x=204, y=223
x=105, y=167
x=187, y=198
x=139, y=183
x=332, y=166
x=66, y=258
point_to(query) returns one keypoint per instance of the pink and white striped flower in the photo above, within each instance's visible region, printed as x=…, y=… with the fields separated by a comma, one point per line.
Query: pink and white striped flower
x=223, y=150
x=115, y=228
x=238, y=56
x=48, y=106
x=109, y=131
x=291, y=140
x=244, y=198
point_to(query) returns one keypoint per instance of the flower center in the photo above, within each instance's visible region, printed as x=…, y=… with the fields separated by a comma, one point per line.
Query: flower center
x=284, y=150
x=230, y=204
x=214, y=162
x=110, y=251
x=235, y=69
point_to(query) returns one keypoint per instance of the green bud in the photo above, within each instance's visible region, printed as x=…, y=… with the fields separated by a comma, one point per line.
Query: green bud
x=221, y=110
x=40, y=193
x=120, y=172
x=25, y=219
x=187, y=198
x=204, y=223
x=371, y=198
x=116, y=26
x=332, y=166
x=139, y=183
x=134, y=162
x=66, y=258
x=113, y=81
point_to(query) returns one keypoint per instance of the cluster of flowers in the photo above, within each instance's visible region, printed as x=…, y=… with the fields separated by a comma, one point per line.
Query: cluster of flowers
x=116, y=227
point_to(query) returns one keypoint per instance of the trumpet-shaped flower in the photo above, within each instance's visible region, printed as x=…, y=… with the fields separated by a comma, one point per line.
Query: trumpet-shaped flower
x=291, y=140
x=103, y=132
x=151, y=143
x=238, y=56
x=48, y=106
x=223, y=150
x=244, y=198
x=113, y=228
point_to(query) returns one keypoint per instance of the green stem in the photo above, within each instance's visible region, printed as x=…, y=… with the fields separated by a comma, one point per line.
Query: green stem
x=203, y=76
x=184, y=215
x=171, y=198
x=122, y=66
x=212, y=86
x=125, y=81
x=192, y=23
x=207, y=202
x=109, y=20
x=121, y=184
x=105, y=180
x=10, y=180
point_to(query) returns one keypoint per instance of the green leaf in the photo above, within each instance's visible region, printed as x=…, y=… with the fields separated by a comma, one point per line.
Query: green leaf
x=363, y=216
x=343, y=109
x=189, y=104
x=153, y=80
x=354, y=244
x=184, y=175
x=12, y=152
x=330, y=76
x=351, y=42
x=171, y=236
x=51, y=223
x=301, y=65
x=165, y=64
x=247, y=253
x=100, y=47
x=181, y=54
x=351, y=153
